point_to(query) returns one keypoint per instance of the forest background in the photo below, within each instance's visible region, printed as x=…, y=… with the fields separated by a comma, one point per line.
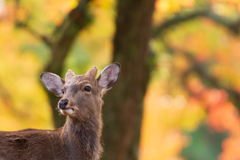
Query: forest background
x=179, y=91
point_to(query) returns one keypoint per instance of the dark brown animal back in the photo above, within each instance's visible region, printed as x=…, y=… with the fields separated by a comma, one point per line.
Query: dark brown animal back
x=32, y=144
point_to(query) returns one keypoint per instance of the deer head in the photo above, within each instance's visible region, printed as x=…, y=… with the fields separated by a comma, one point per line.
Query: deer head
x=81, y=94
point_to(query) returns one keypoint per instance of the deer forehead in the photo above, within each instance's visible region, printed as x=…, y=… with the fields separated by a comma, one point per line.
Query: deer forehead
x=78, y=82
x=79, y=79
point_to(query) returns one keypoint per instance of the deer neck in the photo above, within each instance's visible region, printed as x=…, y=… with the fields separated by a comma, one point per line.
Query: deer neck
x=82, y=139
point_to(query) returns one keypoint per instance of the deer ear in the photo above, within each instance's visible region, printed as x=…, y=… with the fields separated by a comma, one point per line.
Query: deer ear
x=109, y=76
x=53, y=83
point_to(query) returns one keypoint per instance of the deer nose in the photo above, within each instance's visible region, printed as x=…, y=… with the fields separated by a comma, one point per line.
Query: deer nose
x=63, y=103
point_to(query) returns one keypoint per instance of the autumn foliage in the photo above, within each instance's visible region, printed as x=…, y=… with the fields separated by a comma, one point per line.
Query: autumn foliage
x=195, y=80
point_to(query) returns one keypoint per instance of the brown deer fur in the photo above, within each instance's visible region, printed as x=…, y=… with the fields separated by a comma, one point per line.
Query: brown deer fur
x=79, y=138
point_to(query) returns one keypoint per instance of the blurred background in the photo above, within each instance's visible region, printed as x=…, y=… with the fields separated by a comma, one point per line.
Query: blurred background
x=178, y=96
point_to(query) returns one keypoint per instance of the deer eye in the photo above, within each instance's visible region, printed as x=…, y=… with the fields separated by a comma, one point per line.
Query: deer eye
x=62, y=91
x=87, y=88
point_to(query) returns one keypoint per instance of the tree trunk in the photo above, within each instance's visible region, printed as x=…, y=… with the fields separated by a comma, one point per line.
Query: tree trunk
x=122, y=111
x=61, y=43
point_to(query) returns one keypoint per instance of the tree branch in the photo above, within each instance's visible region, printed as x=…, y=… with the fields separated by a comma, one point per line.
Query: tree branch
x=210, y=80
x=76, y=19
x=202, y=70
x=37, y=35
x=231, y=25
x=179, y=18
x=65, y=34
x=73, y=22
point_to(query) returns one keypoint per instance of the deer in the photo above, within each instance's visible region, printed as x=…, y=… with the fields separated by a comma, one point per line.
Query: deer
x=81, y=102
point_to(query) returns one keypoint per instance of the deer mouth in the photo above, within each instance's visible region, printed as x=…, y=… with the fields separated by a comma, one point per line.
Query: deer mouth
x=67, y=111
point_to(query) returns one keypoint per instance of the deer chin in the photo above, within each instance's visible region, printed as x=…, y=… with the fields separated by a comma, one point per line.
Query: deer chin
x=67, y=111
